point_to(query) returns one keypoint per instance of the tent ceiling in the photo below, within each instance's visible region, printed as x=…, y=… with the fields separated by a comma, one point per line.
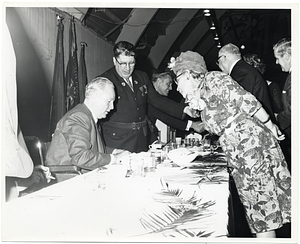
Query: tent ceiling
x=161, y=33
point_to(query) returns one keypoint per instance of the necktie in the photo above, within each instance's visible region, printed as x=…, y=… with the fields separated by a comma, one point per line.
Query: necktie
x=129, y=83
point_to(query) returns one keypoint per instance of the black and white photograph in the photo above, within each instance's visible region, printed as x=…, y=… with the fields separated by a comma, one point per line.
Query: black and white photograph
x=158, y=122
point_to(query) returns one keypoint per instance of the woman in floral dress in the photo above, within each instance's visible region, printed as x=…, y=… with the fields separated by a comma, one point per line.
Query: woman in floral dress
x=248, y=138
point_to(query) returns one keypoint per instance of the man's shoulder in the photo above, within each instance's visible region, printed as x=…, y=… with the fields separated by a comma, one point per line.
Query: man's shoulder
x=241, y=65
x=79, y=112
x=244, y=69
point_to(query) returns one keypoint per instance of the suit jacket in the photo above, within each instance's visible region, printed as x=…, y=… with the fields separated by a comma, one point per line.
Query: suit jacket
x=275, y=95
x=131, y=106
x=77, y=141
x=284, y=118
x=252, y=81
x=155, y=114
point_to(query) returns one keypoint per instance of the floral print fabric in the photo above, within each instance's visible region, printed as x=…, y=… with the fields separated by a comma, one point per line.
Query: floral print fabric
x=258, y=166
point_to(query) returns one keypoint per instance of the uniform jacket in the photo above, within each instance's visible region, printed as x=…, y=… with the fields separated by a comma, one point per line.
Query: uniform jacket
x=77, y=141
x=284, y=118
x=252, y=81
x=132, y=107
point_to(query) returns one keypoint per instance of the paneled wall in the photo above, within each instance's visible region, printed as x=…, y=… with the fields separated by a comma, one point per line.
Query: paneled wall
x=34, y=33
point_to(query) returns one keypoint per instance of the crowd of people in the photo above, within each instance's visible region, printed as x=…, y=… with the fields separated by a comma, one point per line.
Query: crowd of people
x=122, y=105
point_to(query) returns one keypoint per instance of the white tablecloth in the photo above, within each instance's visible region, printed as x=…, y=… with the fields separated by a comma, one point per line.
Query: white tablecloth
x=103, y=205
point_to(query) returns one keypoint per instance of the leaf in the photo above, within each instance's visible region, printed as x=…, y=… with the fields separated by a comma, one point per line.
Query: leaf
x=172, y=218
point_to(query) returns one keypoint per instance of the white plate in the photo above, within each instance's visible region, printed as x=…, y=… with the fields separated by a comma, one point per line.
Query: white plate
x=182, y=156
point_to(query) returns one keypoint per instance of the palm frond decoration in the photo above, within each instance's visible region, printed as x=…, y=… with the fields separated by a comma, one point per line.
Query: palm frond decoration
x=176, y=216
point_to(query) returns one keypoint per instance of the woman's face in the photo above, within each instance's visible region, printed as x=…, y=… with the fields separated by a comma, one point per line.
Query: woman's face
x=185, y=83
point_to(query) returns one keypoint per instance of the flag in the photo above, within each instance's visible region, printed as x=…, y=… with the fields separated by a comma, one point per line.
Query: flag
x=82, y=74
x=72, y=69
x=58, y=93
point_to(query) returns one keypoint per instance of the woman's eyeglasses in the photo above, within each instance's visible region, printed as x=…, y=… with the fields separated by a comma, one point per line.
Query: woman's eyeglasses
x=177, y=76
x=124, y=64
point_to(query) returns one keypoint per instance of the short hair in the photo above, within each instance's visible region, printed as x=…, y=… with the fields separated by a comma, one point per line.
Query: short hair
x=254, y=60
x=230, y=48
x=283, y=46
x=124, y=47
x=96, y=85
x=163, y=75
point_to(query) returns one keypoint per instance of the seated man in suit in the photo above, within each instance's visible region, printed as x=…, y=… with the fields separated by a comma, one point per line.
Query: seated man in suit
x=77, y=140
x=230, y=62
x=162, y=83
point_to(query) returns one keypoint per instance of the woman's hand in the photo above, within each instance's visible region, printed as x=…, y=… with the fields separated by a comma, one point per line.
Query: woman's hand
x=193, y=113
x=198, y=126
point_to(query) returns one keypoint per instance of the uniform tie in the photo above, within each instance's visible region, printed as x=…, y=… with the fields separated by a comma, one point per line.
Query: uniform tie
x=129, y=83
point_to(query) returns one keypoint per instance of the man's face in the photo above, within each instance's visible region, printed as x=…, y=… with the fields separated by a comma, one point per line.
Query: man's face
x=222, y=63
x=105, y=102
x=124, y=65
x=163, y=86
x=284, y=61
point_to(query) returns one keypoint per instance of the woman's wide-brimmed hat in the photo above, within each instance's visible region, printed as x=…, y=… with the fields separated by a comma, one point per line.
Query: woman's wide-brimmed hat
x=188, y=60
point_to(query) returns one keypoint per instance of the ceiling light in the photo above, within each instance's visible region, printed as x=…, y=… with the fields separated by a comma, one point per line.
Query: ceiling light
x=206, y=12
x=216, y=37
x=243, y=47
x=213, y=27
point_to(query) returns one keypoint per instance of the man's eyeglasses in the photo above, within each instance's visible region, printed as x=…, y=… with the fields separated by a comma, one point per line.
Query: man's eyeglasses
x=124, y=64
x=177, y=76
x=218, y=60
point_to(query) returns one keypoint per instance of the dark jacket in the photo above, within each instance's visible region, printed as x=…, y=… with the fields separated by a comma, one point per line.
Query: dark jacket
x=155, y=114
x=252, y=81
x=132, y=107
x=284, y=118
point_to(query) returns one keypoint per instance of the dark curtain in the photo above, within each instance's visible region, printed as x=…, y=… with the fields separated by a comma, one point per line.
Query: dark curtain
x=72, y=70
x=58, y=97
x=82, y=73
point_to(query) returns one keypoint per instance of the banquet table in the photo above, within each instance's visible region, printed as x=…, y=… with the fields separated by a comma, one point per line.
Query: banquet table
x=186, y=203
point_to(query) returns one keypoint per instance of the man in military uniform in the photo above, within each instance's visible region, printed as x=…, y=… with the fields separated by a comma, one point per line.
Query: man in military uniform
x=127, y=127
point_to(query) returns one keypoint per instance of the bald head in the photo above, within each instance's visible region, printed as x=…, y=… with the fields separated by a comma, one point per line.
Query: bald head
x=228, y=55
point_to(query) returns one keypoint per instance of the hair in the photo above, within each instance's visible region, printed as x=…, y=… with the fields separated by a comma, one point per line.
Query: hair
x=255, y=61
x=124, y=47
x=283, y=46
x=196, y=75
x=96, y=85
x=231, y=48
x=163, y=75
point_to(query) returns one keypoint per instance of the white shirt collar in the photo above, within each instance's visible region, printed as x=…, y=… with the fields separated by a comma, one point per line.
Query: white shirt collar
x=233, y=64
x=130, y=79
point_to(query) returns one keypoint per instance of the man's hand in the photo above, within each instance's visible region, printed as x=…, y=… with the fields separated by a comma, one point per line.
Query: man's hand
x=193, y=113
x=198, y=126
x=120, y=155
x=275, y=130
